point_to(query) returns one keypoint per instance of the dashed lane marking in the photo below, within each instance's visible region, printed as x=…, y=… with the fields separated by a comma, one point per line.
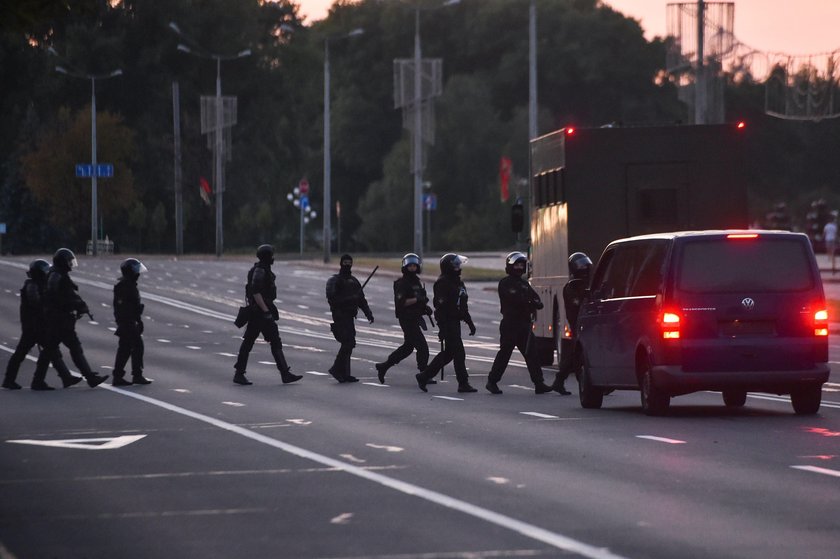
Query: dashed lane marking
x=343, y=518
x=376, y=384
x=182, y=390
x=193, y=347
x=540, y=415
x=818, y=470
x=453, y=398
x=163, y=341
x=660, y=439
x=317, y=373
x=386, y=448
x=225, y=354
x=234, y=404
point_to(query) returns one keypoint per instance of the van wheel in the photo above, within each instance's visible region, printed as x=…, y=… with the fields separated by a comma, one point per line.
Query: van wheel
x=591, y=397
x=806, y=400
x=654, y=400
x=734, y=398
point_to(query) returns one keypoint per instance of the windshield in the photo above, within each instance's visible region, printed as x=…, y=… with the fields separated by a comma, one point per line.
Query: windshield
x=755, y=265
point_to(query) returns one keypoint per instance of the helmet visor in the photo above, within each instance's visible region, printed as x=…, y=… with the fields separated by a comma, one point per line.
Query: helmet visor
x=142, y=269
x=459, y=261
x=73, y=263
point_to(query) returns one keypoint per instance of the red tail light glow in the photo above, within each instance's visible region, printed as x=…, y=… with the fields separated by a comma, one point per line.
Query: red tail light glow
x=821, y=323
x=567, y=332
x=742, y=236
x=570, y=130
x=741, y=125
x=669, y=322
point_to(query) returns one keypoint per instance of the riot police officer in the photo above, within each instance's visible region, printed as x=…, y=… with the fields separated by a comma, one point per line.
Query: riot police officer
x=580, y=268
x=128, y=312
x=260, y=293
x=451, y=307
x=345, y=296
x=410, y=305
x=518, y=303
x=32, y=322
x=63, y=307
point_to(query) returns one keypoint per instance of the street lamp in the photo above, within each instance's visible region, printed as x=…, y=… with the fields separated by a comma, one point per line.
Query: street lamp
x=94, y=236
x=301, y=200
x=327, y=145
x=219, y=147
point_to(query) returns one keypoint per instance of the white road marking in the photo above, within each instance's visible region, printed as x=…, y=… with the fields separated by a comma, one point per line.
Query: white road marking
x=540, y=415
x=453, y=398
x=181, y=390
x=193, y=347
x=101, y=443
x=786, y=400
x=112, y=329
x=660, y=439
x=351, y=458
x=385, y=447
x=498, y=480
x=299, y=421
x=343, y=518
x=526, y=529
x=519, y=386
x=206, y=331
x=266, y=362
x=234, y=404
x=304, y=307
x=161, y=340
x=317, y=373
x=376, y=384
x=817, y=470
x=222, y=353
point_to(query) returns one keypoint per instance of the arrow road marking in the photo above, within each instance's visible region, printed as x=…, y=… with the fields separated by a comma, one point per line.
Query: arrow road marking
x=102, y=443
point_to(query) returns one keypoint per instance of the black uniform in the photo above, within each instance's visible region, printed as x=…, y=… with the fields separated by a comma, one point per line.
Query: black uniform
x=261, y=280
x=451, y=307
x=345, y=296
x=411, y=321
x=63, y=306
x=128, y=312
x=573, y=293
x=33, y=326
x=518, y=303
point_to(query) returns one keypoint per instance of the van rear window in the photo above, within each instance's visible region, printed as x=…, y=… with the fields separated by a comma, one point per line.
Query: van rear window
x=756, y=265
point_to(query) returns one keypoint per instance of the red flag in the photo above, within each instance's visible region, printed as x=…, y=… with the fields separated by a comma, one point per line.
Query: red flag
x=505, y=167
x=204, y=190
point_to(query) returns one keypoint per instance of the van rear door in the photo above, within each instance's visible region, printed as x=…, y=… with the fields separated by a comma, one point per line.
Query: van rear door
x=747, y=302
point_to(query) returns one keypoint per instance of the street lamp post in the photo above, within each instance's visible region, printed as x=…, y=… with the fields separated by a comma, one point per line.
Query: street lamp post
x=94, y=235
x=300, y=200
x=327, y=141
x=218, y=152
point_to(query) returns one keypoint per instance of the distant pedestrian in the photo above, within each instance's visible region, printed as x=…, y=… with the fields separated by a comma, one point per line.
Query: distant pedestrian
x=345, y=296
x=830, y=237
x=518, y=302
x=128, y=312
x=33, y=324
x=410, y=305
x=451, y=308
x=260, y=293
x=64, y=307
x=580, y=268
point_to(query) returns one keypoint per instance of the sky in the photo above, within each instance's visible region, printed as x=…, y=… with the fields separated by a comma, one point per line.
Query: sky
x=790, y=26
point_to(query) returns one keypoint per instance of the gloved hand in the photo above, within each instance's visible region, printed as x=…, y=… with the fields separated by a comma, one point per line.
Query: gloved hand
x=538, y=305
x=370, y=318
x=472, y=328
x=84, y=309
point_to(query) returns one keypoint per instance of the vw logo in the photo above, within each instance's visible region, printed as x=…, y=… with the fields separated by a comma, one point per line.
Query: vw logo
x=748, y=303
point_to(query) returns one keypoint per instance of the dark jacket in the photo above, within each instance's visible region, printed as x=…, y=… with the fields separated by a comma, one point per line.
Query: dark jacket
x=127, y=305
x=518, y=299
x=345, y=296
x=573, y=293
x=407, y=287
x=451, y=300
x=62, y=298
x=263, y=281
x=32, y=306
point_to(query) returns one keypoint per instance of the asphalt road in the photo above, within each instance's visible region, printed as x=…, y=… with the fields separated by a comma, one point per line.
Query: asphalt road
x=196, y=466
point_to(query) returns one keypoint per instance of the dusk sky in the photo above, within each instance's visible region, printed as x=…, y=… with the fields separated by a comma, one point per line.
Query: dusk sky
x=790, y=26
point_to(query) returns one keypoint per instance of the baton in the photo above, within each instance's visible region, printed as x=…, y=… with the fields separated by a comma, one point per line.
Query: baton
x=368, y=278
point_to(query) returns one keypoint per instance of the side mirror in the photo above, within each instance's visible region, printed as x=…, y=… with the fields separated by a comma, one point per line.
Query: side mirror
x=517, y=217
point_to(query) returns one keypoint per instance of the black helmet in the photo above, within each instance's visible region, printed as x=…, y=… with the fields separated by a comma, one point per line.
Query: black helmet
x=38, y=269
x=132, y=268
x=579, y=266
x=412, y=258
x=450, y=263
x=265, y=253
x=515, y=258
x=64, y=259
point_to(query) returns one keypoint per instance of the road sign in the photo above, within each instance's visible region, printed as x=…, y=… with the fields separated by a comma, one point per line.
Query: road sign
x=303, y=185
x=84, y=170
x=430, y=202
x=304, y=202
x=105, y=170
x=2, y=228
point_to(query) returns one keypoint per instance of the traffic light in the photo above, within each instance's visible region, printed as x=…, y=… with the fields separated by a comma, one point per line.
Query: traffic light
x=517, y=216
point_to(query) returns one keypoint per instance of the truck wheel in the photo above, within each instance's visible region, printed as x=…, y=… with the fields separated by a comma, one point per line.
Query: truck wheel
x=591, y=397
x=734, y=398
x=806, y=400
x=654, y=400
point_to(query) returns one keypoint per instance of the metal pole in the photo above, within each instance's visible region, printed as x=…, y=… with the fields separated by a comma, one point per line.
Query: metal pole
x=94, y=237
x=418, y=141
x=532, y=71
x=700, y=89
x=301, y=227
x=179, y=198
x=327, y=161
x=220, y=179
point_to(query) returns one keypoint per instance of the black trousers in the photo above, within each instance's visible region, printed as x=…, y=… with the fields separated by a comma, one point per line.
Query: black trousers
x=515, y=335
x=453, y=351
x=569, y=363
x=130, y=345
x=28, y=340
x=268, y=329
x=413, y=339
x=344, y=331
x=63, y=331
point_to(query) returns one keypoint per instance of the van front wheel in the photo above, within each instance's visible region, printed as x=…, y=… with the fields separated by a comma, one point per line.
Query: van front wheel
x=591, y=397
x=654, y=400
x=806, y=400
x=734, y=398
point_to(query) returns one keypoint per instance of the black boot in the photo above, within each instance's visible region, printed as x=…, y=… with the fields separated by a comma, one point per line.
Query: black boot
x=239, y=378
x=138, y=378
x=381, y=369
x=421, y=382
x=560, y=388
x=542, y=388
x=95, y=380
x=71, y=381
x=289, y=377
x=465, y=387
x=492, y=387
x=119, y=380
x=10, y=385
x=41, y=386
x=337, y=377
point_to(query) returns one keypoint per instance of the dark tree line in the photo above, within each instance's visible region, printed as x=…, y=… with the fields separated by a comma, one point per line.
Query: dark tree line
x=595, y=67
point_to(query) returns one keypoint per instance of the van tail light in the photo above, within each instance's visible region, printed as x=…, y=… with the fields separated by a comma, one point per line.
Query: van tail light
x=669, y=324
x=821, y=323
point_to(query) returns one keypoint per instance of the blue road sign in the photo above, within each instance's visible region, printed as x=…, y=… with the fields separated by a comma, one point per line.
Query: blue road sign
x=304, y=202
x=105, y=170
x=430, y=202
x=2, y=228
x=84, y=170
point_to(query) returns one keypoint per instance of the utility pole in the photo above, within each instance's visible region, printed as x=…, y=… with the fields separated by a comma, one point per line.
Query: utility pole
x=179, y=187
x=700, y=85
x=532, y=71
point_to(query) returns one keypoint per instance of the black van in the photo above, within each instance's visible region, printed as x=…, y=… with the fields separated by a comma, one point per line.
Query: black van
x=731, y=311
